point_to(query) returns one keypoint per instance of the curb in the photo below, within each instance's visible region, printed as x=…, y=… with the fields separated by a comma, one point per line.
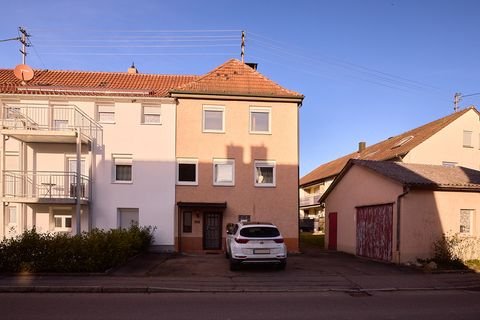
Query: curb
x=108, y=289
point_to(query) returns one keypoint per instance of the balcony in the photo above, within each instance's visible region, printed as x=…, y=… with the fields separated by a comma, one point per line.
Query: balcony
x=44, y=187
x=48, y=123
x=310, y=199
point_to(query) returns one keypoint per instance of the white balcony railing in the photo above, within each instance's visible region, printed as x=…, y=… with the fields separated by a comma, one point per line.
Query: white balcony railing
x=44, y=185
x=310, y=199
x=50, y=117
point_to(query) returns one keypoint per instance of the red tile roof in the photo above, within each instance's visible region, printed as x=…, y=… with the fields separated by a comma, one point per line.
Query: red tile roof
x=53, y=82
x=236, y=78
x=231, y=78
x=393, y=148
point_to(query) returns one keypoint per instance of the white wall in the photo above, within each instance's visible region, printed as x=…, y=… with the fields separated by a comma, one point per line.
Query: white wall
x=152, y=148
x=153, y=157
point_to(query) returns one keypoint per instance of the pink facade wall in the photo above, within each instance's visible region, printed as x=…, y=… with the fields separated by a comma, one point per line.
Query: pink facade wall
x=359, y=187
x=425, y=215
x=277, y=204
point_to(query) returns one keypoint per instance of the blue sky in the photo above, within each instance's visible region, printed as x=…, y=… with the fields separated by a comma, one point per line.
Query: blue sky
x=369, y=69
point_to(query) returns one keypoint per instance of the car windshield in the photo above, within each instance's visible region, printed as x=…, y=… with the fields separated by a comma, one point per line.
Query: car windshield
x=259, y=232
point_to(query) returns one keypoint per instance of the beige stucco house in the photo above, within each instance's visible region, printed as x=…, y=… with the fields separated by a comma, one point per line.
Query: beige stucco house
x=237, y=155
x=395, y=212
x=450, y=141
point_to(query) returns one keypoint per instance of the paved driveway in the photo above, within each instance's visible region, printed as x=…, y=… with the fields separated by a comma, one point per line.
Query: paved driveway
x=315, y=270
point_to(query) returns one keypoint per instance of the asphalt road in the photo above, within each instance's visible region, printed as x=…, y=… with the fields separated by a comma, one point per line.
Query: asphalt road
x=379, y=305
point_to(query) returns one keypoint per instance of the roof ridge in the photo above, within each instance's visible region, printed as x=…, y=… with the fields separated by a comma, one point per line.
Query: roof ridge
x=206, y=79
x=109, y=72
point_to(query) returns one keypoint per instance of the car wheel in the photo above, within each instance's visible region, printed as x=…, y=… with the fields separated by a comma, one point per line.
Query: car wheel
x=282, y=265
x=234, y=265
x=227, y=255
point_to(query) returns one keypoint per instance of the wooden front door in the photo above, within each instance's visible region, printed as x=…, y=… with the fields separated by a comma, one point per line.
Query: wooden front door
x=332, y=231
x=374, y=232
x=212, y=231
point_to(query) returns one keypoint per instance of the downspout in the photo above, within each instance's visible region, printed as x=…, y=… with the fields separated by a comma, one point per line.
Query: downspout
x=406, y=190
x=298, y=176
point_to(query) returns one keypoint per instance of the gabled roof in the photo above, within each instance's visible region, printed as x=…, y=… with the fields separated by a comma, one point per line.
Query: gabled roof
x=234, y=78
x=417, y=176
x=231, y=78
x=394, y=148
x=55, y=82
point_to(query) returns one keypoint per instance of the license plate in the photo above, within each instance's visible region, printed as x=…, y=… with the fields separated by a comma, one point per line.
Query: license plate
x=261, y=251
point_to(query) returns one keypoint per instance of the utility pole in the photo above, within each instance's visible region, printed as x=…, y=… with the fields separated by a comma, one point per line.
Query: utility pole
x=25, y=43
x=456, y=100
x=242, y=54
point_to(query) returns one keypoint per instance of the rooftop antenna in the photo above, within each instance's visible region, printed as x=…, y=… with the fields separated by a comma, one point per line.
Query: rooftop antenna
x=458, y=97
x=23, y=40
x=25, y=43
x=242, y=54
x=456, y=100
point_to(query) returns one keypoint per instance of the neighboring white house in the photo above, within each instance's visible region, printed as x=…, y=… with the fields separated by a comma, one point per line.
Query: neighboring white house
x=113, y=132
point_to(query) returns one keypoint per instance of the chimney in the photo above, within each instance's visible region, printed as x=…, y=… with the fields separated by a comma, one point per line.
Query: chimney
x=132, y=69
x=361, y=146
x=252, y=65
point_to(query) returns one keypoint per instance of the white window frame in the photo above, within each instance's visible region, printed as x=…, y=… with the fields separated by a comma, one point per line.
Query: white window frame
x=265, y=164
x=63, y=227
x=121, y=159
x=152, y=110
x=260, y=110
x=214, y=108
x=471, y=213
x=187, y=161
x=105, y=108
x=467, y=138
x=217, y=162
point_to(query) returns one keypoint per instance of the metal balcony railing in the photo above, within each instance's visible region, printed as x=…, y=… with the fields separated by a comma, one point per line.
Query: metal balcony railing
x=50, y=117
x=44, y=185
x=310, y=199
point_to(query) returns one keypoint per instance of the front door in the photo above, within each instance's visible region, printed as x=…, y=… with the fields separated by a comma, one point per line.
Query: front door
x=212, y=231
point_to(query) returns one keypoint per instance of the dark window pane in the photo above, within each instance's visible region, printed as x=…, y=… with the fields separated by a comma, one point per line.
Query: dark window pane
x=264, y=174
x=260, y=232
x=187, y=221
x=123, y=172
x=186, y=172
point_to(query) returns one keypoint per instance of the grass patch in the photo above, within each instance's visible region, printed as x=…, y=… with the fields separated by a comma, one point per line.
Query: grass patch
x=309, y=240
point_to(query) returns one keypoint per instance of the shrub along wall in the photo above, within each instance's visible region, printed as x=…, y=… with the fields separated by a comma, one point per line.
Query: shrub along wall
x=94, y=251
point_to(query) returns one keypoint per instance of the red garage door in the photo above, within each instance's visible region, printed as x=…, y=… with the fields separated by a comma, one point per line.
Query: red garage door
x=374, y=232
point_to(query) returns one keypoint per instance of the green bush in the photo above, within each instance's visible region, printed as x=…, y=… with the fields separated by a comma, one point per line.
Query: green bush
x=94, y=251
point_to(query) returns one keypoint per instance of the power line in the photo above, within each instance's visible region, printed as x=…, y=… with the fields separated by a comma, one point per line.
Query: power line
x=377, y=75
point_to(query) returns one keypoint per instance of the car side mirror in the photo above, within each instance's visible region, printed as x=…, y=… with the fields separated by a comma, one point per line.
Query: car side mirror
x=230, y=227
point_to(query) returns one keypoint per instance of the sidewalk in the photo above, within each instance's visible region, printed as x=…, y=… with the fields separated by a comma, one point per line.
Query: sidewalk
x=315, y=271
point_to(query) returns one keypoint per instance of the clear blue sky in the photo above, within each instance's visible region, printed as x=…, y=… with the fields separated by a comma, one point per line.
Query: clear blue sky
x=368, y=69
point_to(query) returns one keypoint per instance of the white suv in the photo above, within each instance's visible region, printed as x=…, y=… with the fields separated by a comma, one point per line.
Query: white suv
x=255, y=242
